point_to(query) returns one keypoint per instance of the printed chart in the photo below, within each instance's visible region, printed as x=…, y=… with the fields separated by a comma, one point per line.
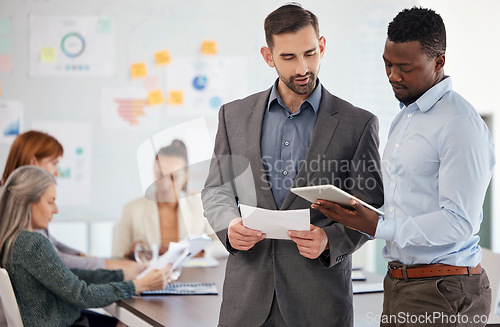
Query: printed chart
x=11, y=120
x=128, y=107
x=71, y=46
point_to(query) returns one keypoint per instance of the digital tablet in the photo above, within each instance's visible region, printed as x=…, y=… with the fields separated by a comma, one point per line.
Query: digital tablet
x=330, y=193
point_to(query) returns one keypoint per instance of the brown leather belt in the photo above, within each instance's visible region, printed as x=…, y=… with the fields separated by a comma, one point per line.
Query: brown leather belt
x=434, y=270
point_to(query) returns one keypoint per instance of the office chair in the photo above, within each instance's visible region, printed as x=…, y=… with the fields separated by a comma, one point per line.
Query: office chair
x=9, y=303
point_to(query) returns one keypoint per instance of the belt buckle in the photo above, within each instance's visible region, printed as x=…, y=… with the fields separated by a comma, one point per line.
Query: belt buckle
x=390, y=268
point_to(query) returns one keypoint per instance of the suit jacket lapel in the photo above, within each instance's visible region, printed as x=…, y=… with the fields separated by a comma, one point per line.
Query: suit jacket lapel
x=325, y=127
x=265, y=196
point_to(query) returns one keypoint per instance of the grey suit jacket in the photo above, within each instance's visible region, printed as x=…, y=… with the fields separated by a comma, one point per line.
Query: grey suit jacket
x=344, y=152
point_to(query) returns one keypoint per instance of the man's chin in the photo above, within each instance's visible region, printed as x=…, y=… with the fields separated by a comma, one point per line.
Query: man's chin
x=303, y=89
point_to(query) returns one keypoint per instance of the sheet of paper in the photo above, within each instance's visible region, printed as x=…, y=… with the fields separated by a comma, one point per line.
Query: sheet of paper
x=364, y=287
x=196, y=244
x=128, y=108
x=275, y=223
x=202, y=84
x=11, y=120
x=358, y=275
x=71, y=45
x=177, y=251
x=75, y=167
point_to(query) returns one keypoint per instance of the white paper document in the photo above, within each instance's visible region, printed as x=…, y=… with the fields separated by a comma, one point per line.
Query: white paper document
x=275, y=223
x=363, y=287
x=175, y=255
x=195, y=245
x=179, y=252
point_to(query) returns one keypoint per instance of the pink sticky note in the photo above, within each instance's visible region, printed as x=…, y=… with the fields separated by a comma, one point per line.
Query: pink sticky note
x=5, y=63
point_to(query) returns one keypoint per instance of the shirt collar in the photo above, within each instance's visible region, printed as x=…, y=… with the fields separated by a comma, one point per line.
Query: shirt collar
x=432, y=95
x=313, y=99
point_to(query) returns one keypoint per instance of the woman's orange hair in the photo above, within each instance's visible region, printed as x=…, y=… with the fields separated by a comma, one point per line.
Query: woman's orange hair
x=29, y=145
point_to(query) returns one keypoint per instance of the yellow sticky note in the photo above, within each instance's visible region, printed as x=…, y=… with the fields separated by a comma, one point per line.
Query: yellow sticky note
x=209, y=47
x=155, y=98
x=138, y=70
x=48, y=54
x=162, y=58
x=175, y=98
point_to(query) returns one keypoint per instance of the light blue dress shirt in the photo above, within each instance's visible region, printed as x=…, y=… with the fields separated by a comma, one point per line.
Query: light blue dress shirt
x=436, y=168
x=286, y=138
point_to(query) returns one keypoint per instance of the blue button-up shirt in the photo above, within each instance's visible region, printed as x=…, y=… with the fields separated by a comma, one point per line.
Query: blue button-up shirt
x=436, y=167
x=286, y=138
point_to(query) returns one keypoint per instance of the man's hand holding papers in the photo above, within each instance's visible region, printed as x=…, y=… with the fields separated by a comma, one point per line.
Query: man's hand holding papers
x=257, y=224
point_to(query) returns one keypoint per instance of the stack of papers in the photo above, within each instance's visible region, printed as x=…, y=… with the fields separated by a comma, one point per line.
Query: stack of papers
x=178, y=253
x=357, y=275
x=360, y=288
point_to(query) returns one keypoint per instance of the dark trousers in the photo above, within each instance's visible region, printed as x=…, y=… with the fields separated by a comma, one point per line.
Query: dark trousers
x=275, y=319
x=458, y=301
x=94, y=319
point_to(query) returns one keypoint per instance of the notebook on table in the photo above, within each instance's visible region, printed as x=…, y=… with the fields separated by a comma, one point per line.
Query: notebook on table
x=185, y=289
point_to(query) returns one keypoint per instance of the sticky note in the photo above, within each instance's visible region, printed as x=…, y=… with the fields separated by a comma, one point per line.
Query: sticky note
x=104, y=25
x=209, y=47
x=5, y=45
x=176, y=98
x=4, y=26
x=155, y=98
x=138, y=70
x=48, y=54
x=5, y=63
x=162, y=58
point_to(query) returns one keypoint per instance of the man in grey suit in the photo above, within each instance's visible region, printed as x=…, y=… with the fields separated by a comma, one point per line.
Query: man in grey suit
x=294, y=134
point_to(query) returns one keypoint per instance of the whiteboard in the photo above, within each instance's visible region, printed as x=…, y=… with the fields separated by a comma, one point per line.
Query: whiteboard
x=352, y=68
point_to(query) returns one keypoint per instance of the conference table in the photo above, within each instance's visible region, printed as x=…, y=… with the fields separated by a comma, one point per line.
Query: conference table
x=203, y=310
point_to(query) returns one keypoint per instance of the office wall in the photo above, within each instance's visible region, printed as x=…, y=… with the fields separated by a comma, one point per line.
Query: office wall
x=472, y=51
x=352, y=68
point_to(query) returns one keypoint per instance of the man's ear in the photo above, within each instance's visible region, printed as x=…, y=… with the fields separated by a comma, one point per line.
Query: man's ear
x=267, y=55
x=322, y=46
x=33, y=161
x=440, y=60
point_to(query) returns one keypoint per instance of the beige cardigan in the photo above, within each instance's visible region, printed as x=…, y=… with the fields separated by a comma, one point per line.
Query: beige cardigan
x=140, y=222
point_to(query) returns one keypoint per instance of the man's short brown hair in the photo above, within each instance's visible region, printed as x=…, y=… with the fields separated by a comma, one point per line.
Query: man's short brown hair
x=288, y=18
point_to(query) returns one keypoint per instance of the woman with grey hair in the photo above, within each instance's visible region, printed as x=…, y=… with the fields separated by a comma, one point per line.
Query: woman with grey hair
x=47, y=292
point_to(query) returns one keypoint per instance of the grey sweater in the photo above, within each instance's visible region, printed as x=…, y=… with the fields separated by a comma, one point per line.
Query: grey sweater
x=50, y=294
x=71, y=257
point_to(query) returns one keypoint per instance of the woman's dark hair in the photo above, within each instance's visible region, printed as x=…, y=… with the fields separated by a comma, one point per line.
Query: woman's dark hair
x=422, y=25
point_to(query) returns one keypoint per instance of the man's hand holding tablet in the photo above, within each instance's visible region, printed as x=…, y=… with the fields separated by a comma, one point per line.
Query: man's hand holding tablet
x=330, y=201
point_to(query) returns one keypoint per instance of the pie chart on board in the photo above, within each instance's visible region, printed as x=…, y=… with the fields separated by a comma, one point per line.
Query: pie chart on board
x=72, y=45
x=200, y=82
